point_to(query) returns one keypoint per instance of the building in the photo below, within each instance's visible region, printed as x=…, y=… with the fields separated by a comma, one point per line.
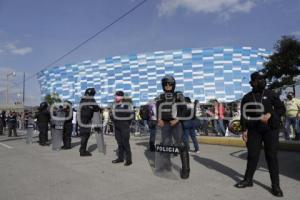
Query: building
x=202, y=74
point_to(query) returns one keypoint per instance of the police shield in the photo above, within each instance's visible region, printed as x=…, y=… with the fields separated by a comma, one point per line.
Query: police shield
x=57, y=130
x=29, y=131
x=98, y=130
x=167, y=151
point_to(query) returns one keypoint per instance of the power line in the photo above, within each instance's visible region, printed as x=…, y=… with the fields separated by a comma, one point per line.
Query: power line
x=88, y=39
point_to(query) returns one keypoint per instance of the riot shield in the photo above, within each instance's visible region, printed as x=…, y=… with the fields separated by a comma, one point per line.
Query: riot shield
x=57, y=130
x=29, y=131
x=167, y=152
x=98, y=130
x=57, y=138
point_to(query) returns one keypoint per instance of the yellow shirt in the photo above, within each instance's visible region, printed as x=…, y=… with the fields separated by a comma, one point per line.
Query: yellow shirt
x=292, y=107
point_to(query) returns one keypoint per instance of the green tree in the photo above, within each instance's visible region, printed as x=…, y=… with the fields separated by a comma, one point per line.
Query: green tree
x=284, y=65
x=52, y=98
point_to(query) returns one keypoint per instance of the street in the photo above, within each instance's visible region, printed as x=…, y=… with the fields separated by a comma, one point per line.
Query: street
x=32, y=172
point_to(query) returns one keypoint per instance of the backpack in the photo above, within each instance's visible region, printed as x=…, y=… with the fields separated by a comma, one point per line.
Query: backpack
x=145, y=112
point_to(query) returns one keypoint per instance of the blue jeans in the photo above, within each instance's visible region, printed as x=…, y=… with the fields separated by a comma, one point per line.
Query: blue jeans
x=295, y=124
x=219, y=126
x=189, y=130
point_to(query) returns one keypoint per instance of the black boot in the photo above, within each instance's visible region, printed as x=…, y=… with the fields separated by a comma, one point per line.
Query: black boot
x=85, y=153
x=244, y=183
x=276, y=191
x=151, y=146
x=185, y=160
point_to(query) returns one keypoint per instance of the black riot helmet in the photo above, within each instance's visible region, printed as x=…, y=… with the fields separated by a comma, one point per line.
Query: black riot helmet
x=43, y=106
x=90, y=92
x=168, y=79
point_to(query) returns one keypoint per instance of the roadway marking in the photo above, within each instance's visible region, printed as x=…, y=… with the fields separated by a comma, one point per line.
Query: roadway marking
x=5, y=145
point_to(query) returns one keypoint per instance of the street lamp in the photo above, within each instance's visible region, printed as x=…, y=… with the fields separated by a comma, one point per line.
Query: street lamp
x=11, y=74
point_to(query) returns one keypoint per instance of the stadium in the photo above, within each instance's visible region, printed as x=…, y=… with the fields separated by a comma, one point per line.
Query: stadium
x=209, y=73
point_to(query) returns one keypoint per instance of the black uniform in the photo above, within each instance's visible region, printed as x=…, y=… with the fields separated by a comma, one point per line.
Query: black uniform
x=2, y=122
x=43, y=119
x=12, y=124
x=122, y=132
x=259, y=132
x=166, y=113
x=68, y=128
x=86, y=115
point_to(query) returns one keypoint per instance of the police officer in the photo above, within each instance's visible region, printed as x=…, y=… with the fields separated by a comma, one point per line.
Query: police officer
x=169, y=124
x=260, y=120
x=2, y=122
x=87, y=107
x=122, y=116
x=43, y=119
x=68, y=126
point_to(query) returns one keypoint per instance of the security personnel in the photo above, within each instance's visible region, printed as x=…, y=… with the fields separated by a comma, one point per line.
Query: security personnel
x=169, y=124
x=68, y=126
x=260, y=120
x=87, y=107
x=122, y=116
x=43, y=119
x=2, y=122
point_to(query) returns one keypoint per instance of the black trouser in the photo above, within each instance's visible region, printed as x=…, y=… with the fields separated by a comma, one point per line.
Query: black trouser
x=1, y=128
x=12, y=128
x=122, y=135
x=84, y=135
x=43, y=135
x=262, y=134
x=68, y=128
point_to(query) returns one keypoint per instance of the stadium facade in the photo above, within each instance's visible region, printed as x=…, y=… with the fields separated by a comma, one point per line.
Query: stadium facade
x=203, y=74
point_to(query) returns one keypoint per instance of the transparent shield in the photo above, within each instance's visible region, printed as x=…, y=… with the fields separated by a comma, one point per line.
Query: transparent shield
x=56, y=139
x=29, y=135
x=100, y=142
x=167, y=155
x=97, y=124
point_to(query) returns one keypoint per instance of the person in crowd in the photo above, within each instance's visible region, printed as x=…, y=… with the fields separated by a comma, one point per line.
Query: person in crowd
x=292, y=116
x=189, y=126
x=12, y=124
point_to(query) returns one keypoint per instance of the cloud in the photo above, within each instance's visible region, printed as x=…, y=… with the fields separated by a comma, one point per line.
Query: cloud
x=11, y=48
x=220, y=7
x=297, y=33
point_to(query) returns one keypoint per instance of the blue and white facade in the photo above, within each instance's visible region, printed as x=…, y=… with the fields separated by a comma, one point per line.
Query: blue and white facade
x=202, y=74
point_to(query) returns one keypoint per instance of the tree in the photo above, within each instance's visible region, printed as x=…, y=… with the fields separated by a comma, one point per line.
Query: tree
x=284, y=65
x=52, y=98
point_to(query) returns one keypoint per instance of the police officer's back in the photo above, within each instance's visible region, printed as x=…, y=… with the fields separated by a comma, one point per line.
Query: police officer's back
x=87, y=107
x=43, y=119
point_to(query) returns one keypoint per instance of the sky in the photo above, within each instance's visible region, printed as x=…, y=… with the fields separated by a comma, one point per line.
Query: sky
x=33, y=33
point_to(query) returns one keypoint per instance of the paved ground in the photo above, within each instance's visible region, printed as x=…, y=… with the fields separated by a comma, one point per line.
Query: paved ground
x=31, y=172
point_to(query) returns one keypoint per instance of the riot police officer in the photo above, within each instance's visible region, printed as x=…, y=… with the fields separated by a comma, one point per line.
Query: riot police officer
x=87, y=107
x=122, y=116
x=260, y=120
x=170, y=124
x=68, y=126
x=43, y=119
